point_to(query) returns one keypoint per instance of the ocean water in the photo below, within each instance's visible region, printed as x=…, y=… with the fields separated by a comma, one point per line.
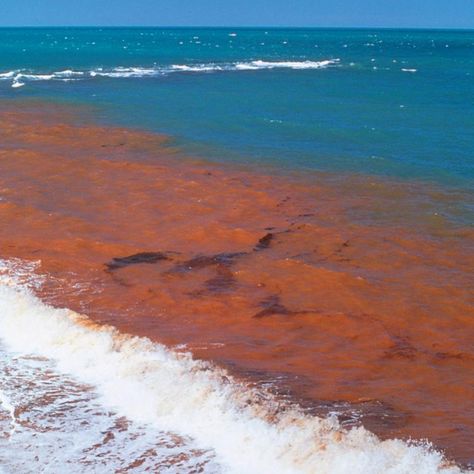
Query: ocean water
x=386, y=102
x=236, y=250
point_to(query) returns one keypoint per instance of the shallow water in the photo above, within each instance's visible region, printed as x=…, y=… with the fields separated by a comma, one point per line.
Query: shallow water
x=50, y=421
x=157, y=392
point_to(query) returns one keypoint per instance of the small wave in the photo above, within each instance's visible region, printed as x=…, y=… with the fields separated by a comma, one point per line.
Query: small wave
x=35, y=77
x=69, y=73
x=256, y=65
x=409, y=70
x=126, y=72
x=248, y=429
x=20, y=77
x=199, y=68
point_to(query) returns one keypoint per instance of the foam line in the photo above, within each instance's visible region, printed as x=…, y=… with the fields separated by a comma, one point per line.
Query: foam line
x=22, y=76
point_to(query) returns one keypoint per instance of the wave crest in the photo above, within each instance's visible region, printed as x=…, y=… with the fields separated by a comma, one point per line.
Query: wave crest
x=21, y=76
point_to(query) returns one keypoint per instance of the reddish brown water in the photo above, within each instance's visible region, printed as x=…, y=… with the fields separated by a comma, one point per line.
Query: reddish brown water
x=347, y=293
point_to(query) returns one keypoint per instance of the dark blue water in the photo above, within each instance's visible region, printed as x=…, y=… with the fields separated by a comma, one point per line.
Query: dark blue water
x=397, y=103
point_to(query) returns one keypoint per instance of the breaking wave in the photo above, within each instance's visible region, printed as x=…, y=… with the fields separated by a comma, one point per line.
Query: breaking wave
x=18, y=78
x=230, y=426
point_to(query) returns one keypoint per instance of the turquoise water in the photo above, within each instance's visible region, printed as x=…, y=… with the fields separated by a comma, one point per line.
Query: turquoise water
x=397, y=103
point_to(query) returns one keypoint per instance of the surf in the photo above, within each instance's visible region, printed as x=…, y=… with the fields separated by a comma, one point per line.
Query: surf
x=248, y=429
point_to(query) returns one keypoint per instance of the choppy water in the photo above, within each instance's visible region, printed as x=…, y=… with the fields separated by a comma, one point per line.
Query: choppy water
x=396, y=103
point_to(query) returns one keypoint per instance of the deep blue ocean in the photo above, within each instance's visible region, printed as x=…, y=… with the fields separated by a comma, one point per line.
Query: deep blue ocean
x=396, y=103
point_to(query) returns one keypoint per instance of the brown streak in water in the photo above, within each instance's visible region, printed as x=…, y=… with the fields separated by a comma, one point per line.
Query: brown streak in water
x=366, y=294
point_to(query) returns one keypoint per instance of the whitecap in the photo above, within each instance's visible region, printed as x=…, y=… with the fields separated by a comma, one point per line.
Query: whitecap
x=260, y=64
x=68, y=73
x=196, y=68
x=125, y=72
x=34, y=77
x=121, y=72
x=7, y=75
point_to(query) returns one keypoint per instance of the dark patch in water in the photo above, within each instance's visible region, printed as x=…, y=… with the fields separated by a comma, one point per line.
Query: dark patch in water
x=273, y=306
x=264, y=242
x=204, y=261
x=142, y=257
x=224, y=279
x=283, y=201
x=453, y=355
x=343, y=246
x=117, y=145
x=401, y=349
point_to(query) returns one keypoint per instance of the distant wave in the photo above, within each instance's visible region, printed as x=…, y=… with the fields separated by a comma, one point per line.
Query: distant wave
x=18, y=78
x=248, y=429
x=255, y=65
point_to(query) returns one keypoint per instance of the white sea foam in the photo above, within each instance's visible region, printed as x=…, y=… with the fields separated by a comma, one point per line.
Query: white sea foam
x=7, y=405
x=256, y=65
x=20, y=77
x=68, y=73
x=199, y=68
x=248, y=430
x=409, y=70
x=34, y=77
x=126, y=72
x=49, y=422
